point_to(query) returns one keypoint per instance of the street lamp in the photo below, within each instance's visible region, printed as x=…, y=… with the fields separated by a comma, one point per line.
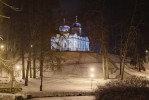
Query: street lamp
x=31, y=45
x=92, y=69
x=17, y=67
x=92, y=75
x=2, y=46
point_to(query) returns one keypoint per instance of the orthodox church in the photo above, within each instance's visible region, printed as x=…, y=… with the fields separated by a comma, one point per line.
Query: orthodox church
x=70, y=38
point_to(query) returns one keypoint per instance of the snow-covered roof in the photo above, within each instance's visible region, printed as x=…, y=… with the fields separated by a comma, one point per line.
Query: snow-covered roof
x=64, y=28
x=76, y=25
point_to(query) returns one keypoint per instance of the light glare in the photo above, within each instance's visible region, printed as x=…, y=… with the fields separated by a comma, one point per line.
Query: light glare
x=17, y=67
x=31, y=45
x=92, y=69
x=2, y=46
x=91, y=75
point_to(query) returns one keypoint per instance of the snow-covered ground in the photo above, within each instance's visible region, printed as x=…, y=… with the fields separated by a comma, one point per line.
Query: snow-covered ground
x=68, y=83
x=6, y=96
x=130, y=69
x=67, y=98
x=74, y=79
x=63, y=87
x=64, y=84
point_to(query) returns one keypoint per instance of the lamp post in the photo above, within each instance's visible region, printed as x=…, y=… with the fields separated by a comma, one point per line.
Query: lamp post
x=92, y=76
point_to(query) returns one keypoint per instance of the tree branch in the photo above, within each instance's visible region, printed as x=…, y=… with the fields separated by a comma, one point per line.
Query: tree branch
x=13, y=8
x=3, y=16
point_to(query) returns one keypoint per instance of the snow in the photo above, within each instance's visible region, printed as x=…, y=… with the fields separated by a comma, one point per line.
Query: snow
x=67, y=98
x=6, y=96
x=73, y=80
x=135, y=72
x=63, y=86
x=4, y=80
x=75, y=77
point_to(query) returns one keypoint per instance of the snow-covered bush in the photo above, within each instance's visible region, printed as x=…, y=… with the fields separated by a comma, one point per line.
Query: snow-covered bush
x=133, y=88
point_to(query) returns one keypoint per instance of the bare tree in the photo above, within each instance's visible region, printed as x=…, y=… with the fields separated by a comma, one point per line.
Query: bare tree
x=4, y=4
x=100, y=35
x=131, y=42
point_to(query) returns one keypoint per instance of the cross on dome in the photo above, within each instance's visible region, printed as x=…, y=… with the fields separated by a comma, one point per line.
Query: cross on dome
x=64, y=21
x=76, y=19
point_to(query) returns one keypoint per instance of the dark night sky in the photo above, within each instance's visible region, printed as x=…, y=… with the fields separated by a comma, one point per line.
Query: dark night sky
x=115, y=12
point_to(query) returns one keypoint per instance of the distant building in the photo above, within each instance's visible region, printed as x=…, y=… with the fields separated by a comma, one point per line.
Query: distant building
x=70, y=41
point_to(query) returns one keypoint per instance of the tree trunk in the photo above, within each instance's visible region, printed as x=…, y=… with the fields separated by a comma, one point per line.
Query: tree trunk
x=27, y=72
x=41, y=73
x=30, y=52
x=30, y=67
x=103, y=66
x=105, y=63
x=41, y=61
x=122, y=67
x=34, y=67
x=107, y=67
x=12, y=78
x=23, y=66
x=41, y=65
x=34, y=61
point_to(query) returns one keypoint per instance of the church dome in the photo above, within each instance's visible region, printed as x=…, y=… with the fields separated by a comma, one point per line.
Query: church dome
x=64, y=28
x=76, y=24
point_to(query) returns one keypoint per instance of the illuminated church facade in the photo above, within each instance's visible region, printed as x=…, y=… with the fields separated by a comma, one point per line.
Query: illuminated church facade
x=72, y=40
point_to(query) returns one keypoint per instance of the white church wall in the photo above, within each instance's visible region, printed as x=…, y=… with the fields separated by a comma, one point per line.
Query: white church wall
x=71, y=44
x=70, y=41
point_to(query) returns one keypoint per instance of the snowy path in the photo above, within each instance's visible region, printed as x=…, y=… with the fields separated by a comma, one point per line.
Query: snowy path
x=135, y=72
x=63, y=87
x=67, y=98
x=61, y=84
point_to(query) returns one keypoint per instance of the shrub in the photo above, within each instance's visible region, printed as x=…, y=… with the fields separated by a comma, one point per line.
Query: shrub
x=10, y=90
x=7, y=88
x=133, y=88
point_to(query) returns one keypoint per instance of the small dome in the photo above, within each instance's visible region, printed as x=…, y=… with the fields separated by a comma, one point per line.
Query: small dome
x=64, y=28
x=76, y=24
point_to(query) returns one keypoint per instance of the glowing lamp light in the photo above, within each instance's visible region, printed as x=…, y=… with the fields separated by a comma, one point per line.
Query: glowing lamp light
x=91, y=75
x=2, y=46
x=31, y=45
x=17, y=67
x=92, y=69
x=146, y=51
